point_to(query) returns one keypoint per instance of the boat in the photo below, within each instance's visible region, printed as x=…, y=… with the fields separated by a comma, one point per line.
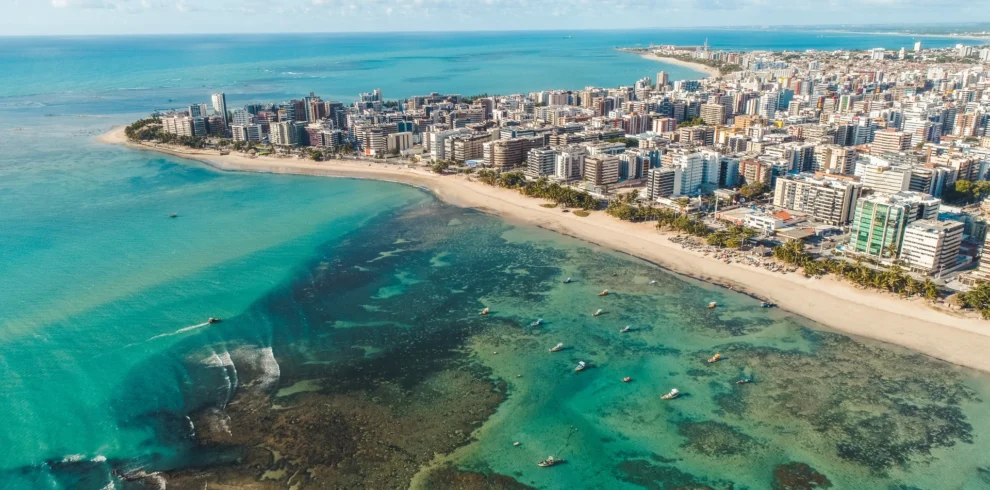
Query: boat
x=598, y=312
x=603, y=293
x=515, y=443
x=712, y=305
x=744, y=381
x=652, y=283
x=626, y=379
x=625, y=329
x=484, y=311
x=214, y=320
x=767, y=305
x=567, y=281
x=670, y=396
x=715, y=358
x=557, y=348
x=173, y=215
x=546, y=463
x=580, y=367
x=537, y=323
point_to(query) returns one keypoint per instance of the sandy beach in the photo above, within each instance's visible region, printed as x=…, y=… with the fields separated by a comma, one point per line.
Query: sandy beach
x=959, y=338
x=710, y=71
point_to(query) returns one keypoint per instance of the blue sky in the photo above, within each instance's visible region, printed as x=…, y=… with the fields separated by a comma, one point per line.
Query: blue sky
x=69, y=17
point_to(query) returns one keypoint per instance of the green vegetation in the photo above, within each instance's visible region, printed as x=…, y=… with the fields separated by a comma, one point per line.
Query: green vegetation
x=471, y=99
x=541, y=188
x=966, y=192
x=151, y=130
x=978, y=299
x=733, y=237
x=754, y=190
x=893, y=279
x=692, y=122
x=629, y=142
x=582, y=213
x=439, y=166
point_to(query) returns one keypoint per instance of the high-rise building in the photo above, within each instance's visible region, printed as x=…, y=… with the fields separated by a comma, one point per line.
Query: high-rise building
x=540, y=162
x=220, y=106
x=713, y=114
x=829, y=199
x=662, y=79
x=885, y=178
x=930, y=246
x=661, y=182
x=755, y=171
x=880, y=220
x=601, y=169
x=889, y=140
x=569, y=162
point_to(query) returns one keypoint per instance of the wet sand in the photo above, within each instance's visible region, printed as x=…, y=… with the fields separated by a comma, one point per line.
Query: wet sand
x=954, y=337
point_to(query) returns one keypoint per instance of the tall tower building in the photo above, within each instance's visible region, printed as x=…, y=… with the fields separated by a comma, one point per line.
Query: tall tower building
x=220, y=106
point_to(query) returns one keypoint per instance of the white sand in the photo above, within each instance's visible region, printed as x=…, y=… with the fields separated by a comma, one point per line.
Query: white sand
x=955, y=337
x=710, y=71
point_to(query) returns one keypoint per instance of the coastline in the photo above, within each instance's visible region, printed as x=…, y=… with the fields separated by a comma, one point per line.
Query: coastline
x=708, y=70
x=913, y=324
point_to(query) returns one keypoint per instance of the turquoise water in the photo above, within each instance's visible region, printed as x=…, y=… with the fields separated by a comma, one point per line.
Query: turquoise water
x=363, y=297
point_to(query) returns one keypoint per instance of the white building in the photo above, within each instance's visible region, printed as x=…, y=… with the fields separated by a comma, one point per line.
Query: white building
x=930, y=246
x=569, y=163
x=690, y=169
x=829, y=199
x=885, y=178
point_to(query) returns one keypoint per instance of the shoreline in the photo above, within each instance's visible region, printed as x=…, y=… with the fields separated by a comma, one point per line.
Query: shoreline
x=708, y=70
x=911, y=323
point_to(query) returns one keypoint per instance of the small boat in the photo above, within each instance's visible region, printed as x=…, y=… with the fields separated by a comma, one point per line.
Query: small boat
x=744, y=381
x=546, y=463
x=173, y=215
x=580, y=367
x=515, y=443
x=214, y=320
x=652, y=283
x=537, y=323
x=714, y=359
x=625, y=329
x=766, y=305
x=598, y=312
x=626, y=379
x=484, y=311
x=557, y=348
x=712, y=305
x=567, y=281
x=670, y=396
x=603, y=293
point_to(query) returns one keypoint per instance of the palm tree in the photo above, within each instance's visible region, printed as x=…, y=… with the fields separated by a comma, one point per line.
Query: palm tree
x=930, y=290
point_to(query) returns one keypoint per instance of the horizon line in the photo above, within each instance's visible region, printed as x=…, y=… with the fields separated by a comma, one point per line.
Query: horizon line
x=747, y=27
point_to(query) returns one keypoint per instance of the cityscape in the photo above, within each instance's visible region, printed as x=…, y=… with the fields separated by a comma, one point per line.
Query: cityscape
x=872, y=157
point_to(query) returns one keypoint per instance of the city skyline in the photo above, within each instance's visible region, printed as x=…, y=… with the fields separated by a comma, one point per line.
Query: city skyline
x=123, y=17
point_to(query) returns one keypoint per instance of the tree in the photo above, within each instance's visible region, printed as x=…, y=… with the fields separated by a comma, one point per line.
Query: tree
x=753, y=190
x=929, y=290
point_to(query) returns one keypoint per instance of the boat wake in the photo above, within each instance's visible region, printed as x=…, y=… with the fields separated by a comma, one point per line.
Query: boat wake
x=180, y=331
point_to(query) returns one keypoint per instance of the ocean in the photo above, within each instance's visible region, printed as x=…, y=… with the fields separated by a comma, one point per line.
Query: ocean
x=351, y=351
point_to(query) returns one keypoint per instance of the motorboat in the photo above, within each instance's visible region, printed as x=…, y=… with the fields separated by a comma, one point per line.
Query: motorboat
x=567, y=281
x=652, y=283
x=557, y=348
x=484, y=311
x=598, y=312
x=580, y=367
x=550, y=461
x=173, y=215
x=670, y=396
x=626, y=379
x=712, y=305
x=515, y=443
x=214, y=320
x=603, y=293
x=715, y=358
x=625, y=329
x=744, y=381
x=537, y=323
x=767, y=305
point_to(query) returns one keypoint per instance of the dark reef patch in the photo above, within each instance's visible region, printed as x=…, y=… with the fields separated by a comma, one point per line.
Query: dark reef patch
x=798, y=476
x=716, y=439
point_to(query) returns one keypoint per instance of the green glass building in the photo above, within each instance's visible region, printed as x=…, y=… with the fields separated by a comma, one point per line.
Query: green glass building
x=879, y=222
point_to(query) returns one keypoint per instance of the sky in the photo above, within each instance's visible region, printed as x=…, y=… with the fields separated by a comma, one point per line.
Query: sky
x=81, y=17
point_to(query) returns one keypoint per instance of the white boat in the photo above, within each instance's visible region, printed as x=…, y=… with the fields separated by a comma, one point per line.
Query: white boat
x=599, y=312
x=603, y=293
x=484, y=311
x=537, y=323
x=580, y=367
x=557, y=348
x=652, y=283
x=546, y=463
x=567, y=281
x=625, y=329
x=712, y=305
x=670, y=396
